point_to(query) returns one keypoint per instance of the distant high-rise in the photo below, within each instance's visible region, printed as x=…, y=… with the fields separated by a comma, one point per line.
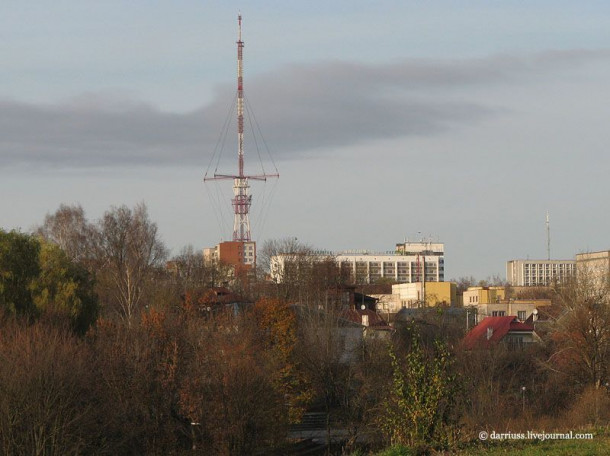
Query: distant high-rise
x=527, y=273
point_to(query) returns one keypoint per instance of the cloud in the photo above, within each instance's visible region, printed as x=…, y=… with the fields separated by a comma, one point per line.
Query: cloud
x=300, y=108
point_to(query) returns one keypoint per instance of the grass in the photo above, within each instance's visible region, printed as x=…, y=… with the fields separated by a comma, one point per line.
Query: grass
x=600, y=444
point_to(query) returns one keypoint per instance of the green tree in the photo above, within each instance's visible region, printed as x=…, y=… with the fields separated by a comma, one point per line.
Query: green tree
x=18, y=268
x=64, y=289
x=37, y=279
x=417, y=410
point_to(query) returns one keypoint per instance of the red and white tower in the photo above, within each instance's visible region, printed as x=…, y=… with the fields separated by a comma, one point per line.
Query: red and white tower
x=241, y=198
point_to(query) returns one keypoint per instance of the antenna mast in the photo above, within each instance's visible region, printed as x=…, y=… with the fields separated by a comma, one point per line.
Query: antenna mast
x=242, y=200
x=548, y=236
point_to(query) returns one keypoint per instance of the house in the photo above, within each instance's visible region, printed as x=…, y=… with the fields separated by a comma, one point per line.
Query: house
x=373, y=325
x=219, y=299
x=495, y=330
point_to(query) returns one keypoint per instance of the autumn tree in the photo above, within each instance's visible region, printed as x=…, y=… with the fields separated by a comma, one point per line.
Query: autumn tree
x=277, y=325
x=231, y=394
x=191, y=272
x=128, y=249
x=47, y=400
x=582, y=330
x=137, y=365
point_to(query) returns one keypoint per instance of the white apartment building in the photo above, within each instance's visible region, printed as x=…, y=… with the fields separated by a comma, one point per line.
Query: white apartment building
x=421, y=248
x=594, y=267
x=527, y=273
x=367, y=267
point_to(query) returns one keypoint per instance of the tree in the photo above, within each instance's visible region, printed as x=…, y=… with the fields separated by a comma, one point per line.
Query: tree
x=18, y=268
x=287, y=246
x=417, y=410
x=582, y=332
x=64, y=289
x=70, y=230
x=231, y=391
x=191, y=272
x=278, y=326
x=37, y=279
x=128, y=250
x=47, y=403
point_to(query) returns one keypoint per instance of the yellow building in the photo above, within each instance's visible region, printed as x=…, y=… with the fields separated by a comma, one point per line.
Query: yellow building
x=483, y=295
x=428, y=294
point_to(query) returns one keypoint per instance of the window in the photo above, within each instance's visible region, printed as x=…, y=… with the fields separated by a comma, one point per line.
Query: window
x=498, y=313
x=521, y=315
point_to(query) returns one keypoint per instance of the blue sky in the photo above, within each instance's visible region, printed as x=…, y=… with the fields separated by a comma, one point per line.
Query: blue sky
x=463, y=121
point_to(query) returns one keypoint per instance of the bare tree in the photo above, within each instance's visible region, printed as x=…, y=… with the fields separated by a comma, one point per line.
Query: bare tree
x=191, y=271
x=70, y=230
x=286, y=246
x=583, y=328
x=128, y=250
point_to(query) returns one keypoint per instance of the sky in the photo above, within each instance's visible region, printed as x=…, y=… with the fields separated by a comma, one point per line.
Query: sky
x=461, y=122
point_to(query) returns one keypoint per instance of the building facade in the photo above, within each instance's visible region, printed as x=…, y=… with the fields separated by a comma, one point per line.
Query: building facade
x=368, y=267
x=594, y=268
x=239, y=254
x=371, y=267
x=429, y=294
x=492, y=302
x=531, y=273
x=483, y=295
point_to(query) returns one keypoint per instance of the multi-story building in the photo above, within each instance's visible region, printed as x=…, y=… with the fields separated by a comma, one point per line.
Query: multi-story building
x=239, y=254
x=410, y=262
x=483, y=295
x=527, y=273
x=370, y=267
x=492, y=302
x=594, y=267
x=421, y=248
x=429, y=294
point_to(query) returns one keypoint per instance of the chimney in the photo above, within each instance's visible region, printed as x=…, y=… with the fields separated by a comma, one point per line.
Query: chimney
x=490, y=332
x=365, y=320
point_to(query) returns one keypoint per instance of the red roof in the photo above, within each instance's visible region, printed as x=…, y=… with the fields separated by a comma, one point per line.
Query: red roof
x=497, y=328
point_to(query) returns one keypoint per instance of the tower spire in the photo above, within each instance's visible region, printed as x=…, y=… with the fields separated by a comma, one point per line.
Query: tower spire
x=242, y=200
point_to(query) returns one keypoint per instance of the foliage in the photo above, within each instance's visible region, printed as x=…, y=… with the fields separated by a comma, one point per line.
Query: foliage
x=38, y=279
x=19, y=266
x=417, y=409
x=398, y=450
x=64, y=289
x=277, y=323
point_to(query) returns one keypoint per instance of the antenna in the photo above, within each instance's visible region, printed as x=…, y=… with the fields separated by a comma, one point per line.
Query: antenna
x=242, y=200
x=548, y=236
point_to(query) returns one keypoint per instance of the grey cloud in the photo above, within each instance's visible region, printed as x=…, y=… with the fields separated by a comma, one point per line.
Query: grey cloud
x=300, y=108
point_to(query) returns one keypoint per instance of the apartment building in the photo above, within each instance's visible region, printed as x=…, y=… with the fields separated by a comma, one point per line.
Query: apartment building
x=240, y=255
x=529, y=273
